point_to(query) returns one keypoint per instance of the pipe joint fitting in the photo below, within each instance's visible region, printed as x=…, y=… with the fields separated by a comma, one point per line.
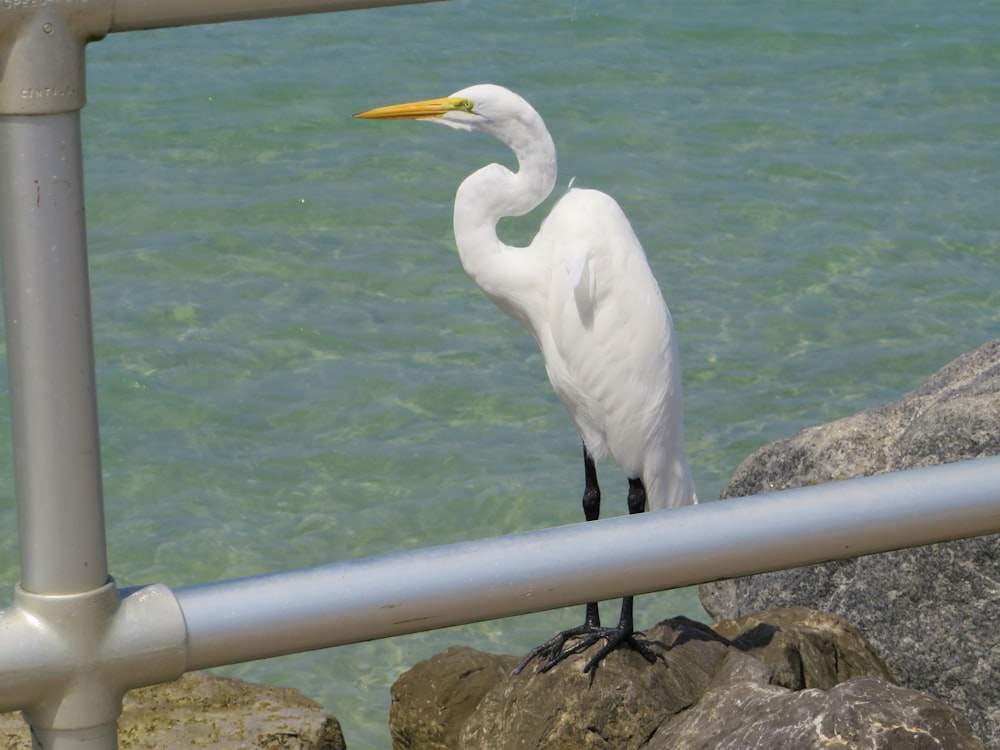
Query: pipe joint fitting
x=86, y=651
x=42, y=47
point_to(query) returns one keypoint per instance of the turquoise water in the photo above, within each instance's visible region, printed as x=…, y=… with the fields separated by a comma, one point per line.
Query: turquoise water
x=294, y=369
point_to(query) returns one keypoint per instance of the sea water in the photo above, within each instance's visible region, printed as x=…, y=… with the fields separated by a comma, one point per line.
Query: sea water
x=293, y=368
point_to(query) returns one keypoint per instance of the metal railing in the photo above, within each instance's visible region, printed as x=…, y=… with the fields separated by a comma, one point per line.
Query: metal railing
x=72, y=643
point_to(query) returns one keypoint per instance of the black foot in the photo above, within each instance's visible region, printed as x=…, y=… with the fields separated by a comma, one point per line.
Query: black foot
x=554, y=651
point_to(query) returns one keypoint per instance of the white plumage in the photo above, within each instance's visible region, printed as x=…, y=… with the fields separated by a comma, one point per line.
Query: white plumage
x=584, y=290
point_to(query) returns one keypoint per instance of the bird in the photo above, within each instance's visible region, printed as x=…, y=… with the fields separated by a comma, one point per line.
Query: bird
x=584, y=290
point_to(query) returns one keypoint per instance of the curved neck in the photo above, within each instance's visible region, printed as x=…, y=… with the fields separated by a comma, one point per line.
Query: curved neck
x=493, y=192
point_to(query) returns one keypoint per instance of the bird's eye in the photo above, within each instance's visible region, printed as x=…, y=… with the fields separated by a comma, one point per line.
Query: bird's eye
x=466, y=105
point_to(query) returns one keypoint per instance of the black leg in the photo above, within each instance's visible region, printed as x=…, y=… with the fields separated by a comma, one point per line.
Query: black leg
x=553, y=648
x=591, y=490
x=591, y=512
x=636, y=504
x=636, y=496
x=624, y=633
x=591, y=631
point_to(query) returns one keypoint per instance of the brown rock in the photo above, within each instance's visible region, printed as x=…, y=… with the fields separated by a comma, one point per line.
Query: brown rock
x=620, y=705
x=431, y=701
x=804, y=648
x=715, y=687
x=202, y=710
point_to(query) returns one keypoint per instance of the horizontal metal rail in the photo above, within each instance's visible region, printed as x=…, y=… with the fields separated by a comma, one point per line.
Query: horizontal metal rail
x=329, y=605
x=135, y=15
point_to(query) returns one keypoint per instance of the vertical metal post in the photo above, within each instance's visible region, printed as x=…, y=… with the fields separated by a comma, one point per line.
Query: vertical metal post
x=50, y=357
x=50, y=354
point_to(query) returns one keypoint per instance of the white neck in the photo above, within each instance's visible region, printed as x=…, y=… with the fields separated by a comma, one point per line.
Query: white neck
x=491, y=193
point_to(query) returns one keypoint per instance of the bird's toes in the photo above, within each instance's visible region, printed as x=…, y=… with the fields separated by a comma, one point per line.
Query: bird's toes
x=549, y=650
x=644, y=648
x=560, y=655
x=615, y=638
x=554, y=650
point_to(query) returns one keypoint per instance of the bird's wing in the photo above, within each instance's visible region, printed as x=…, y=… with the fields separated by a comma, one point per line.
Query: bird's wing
x=609, y=331
x=595, y=254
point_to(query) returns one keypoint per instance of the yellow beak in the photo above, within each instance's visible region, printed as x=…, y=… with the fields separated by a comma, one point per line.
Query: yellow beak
x=430, y=108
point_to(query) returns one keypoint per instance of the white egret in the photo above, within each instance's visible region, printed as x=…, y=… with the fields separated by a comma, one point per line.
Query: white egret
x=584, y=290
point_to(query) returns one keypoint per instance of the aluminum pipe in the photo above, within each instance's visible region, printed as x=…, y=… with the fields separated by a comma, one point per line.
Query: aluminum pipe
x=329, y=605
x=50, y=355
x=134, y=15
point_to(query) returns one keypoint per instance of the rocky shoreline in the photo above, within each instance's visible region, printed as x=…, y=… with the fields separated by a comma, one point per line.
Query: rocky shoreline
x=790, y=678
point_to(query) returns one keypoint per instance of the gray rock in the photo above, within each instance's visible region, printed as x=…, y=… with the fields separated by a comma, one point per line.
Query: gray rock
x=787, y=670
x=202, y=710
x=931, y=611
